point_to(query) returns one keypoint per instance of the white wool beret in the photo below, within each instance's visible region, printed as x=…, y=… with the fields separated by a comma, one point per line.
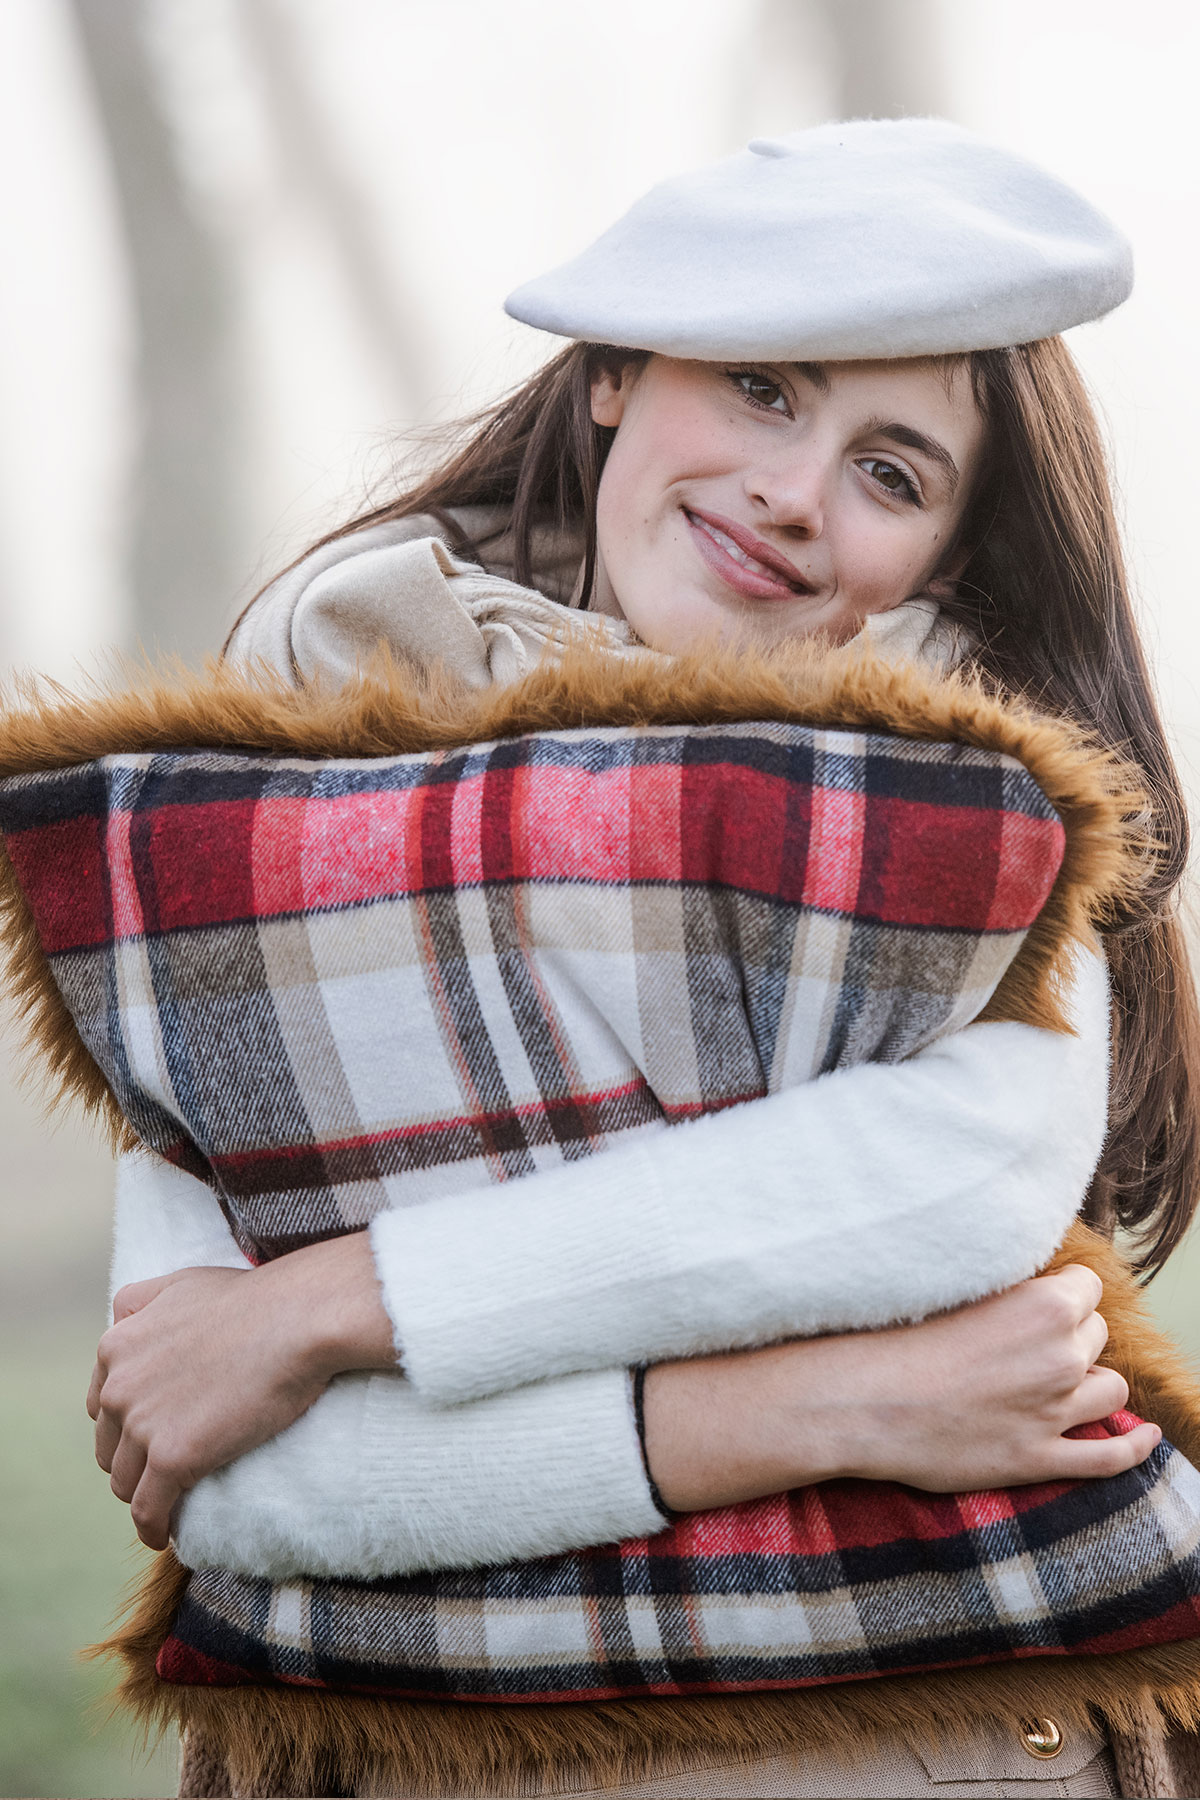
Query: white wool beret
x=871, y=238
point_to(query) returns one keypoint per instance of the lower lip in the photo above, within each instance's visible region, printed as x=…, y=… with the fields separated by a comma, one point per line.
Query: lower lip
x=748, y=582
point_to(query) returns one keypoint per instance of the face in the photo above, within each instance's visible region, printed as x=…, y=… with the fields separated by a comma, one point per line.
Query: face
x=756, y=503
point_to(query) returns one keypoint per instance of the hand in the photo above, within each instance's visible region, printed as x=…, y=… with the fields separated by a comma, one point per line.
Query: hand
x=977, y=1398
x=204, y=1364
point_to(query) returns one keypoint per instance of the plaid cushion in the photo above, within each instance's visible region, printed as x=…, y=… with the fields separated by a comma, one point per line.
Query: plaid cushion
x=333, y=986
x=830, y=1583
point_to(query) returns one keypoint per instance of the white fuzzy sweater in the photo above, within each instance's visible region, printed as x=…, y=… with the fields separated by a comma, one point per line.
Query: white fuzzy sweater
x=870, y=1195
x=873, y=1195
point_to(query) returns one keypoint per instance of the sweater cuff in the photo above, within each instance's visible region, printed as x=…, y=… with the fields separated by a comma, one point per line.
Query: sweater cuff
x=546, y=1468
x=639, y=1415
x=476, y=1309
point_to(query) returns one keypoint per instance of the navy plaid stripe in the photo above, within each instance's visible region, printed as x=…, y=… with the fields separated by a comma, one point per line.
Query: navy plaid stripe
x=646, y=1620
x=917, y=772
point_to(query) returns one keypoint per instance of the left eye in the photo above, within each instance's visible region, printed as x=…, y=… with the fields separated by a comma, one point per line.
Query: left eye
x=760, y=390
x=890, y=477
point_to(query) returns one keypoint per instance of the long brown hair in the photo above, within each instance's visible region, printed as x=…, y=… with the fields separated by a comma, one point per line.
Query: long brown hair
x=1046, y=593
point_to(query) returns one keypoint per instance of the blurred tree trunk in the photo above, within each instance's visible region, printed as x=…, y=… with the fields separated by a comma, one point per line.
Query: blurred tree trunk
x=181, y=553
x=889, y=61
x=393, y=330
x=843, y=59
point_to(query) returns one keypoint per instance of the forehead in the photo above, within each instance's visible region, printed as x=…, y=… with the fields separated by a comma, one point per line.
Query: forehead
x=940, y=382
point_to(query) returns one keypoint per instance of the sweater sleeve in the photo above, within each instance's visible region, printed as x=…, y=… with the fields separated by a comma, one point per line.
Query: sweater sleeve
x=870, y=1196
x=372, y=1481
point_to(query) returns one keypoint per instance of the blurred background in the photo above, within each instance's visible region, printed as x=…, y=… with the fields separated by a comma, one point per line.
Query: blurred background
x=250, y=246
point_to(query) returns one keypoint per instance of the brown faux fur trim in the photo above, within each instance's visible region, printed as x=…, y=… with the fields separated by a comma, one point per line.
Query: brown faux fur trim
x=391, y=713
x=278, y=1735
x=278, y=1739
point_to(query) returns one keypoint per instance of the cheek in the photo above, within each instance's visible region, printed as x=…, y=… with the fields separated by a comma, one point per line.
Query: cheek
x=880, y=563
x=637, y=503
x=660, y=445
x=626, y=485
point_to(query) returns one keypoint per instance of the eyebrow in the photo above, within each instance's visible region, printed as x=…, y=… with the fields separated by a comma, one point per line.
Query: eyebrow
x=814, y=373
x=908, y=439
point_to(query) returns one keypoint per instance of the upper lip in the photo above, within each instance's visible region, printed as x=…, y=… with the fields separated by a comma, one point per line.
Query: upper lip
x=755, y=547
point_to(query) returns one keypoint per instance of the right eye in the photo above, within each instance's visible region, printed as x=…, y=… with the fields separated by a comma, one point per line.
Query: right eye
x=760, y=390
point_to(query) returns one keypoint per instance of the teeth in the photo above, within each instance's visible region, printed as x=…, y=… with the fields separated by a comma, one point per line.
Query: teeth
x=736, y=552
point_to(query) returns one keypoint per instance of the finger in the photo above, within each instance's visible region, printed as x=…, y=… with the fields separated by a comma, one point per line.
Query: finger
x=1093, y=1335
x=1140, y=1442
x=1101, y=1392
x=150, y=1507
x=1090, y=1459
x=136, y=1294
x=1082, y=1284
x=128, y=1466
x=93, y=1393
x=108, y=1438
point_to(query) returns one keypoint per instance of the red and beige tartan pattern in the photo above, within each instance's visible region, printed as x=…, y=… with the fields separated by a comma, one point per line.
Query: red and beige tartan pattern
x=839, y=1582
x=332, y=986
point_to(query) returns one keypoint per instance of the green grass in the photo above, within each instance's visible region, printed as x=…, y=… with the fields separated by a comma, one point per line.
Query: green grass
x=66, y=1551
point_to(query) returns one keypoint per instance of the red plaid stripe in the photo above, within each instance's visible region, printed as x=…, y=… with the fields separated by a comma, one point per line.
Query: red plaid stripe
x=843, y=1581
x=185, y=864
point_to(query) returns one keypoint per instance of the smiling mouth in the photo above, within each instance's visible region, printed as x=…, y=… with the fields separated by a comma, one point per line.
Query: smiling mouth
x=749, y=575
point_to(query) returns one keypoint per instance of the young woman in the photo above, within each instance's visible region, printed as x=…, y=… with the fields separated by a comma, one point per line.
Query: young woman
x=736, y=476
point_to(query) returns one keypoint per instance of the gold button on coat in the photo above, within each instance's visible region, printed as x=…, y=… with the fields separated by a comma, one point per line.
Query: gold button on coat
x=1042, y=1738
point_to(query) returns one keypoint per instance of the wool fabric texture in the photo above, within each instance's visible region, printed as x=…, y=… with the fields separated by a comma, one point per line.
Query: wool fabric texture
x=370, y=1480
x=836, y=1582
x=328, y=987
x=860, y=239
x=278, y=1738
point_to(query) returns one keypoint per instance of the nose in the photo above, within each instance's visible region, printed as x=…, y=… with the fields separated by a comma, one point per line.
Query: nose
x=791, y=489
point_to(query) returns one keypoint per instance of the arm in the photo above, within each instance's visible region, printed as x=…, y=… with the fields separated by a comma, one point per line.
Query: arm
x=370, y=1482
x=876, y=1194
x=568, y=1447
x=976, y=1398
